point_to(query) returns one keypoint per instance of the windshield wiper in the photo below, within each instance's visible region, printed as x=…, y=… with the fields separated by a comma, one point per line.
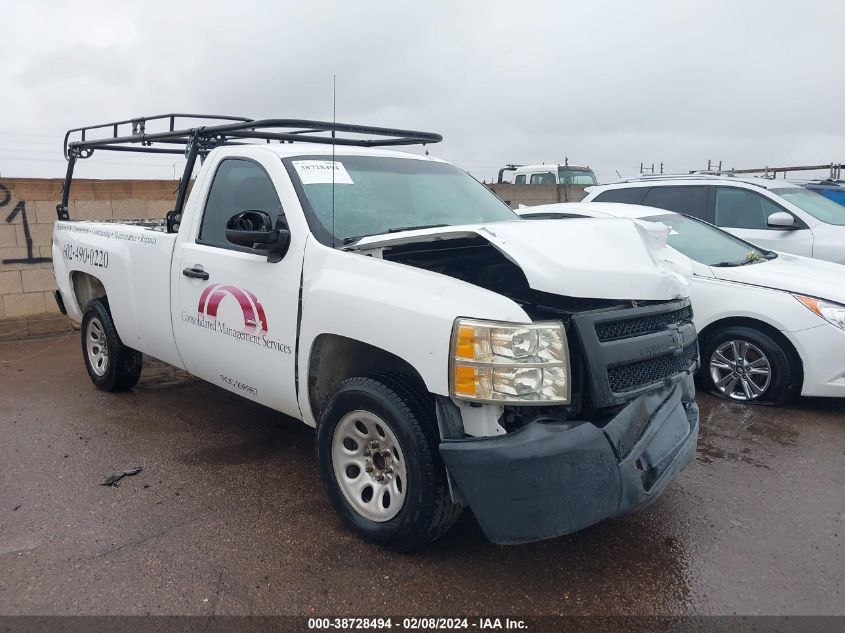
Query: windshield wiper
x=744, y=262
x=750, y=258
x=397, y=229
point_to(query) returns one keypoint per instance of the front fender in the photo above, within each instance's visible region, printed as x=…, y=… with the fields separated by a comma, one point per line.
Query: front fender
x=403, y=310
x=715, y=299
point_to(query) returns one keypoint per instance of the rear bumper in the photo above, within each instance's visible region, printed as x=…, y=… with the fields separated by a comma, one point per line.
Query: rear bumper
x=549, y=479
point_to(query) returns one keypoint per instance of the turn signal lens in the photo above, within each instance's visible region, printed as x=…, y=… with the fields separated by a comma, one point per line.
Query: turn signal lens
x=833, y=313
x=471, y=382
x=472, y=342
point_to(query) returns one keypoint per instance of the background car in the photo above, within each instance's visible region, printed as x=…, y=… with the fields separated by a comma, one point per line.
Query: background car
x=830, y=189
x=771, y=325
x=772, y=214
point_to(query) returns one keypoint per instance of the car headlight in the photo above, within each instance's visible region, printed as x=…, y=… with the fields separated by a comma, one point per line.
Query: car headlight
x=833, y=313
x=507, y=362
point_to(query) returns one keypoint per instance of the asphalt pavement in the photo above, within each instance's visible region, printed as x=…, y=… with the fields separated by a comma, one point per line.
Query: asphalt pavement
x=229, y=516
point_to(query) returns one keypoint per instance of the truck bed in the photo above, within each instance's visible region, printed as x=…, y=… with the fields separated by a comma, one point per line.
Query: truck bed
x=131, y=259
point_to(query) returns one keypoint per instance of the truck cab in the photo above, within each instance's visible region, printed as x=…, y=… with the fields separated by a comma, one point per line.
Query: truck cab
x=554, y=175
x=449, y=353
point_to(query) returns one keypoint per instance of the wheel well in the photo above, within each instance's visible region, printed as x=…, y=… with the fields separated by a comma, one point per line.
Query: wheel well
x=769, y=330
x=85, y=288
x=335, y=358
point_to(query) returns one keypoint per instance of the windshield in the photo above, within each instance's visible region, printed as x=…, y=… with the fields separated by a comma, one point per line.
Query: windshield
x=375, y=194
x=576, y=177
x=706, y=244
x=816, y=205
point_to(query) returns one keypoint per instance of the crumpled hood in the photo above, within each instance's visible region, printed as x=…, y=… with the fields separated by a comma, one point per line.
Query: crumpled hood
x=613, y=258
x=791, y=273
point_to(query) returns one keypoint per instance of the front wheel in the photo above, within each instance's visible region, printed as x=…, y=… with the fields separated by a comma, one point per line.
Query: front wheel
x=747, y=365
x=377, y=444
x=111, y=365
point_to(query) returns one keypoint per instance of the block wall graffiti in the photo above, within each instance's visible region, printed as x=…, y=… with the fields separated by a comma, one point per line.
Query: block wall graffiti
x=19, y=211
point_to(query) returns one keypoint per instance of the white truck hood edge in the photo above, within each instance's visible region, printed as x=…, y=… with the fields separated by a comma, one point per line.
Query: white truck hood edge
x=613, y=258
x=791, y=273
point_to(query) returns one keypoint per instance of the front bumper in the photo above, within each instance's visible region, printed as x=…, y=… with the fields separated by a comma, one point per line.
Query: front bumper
x=549, y=479
x=820, y=349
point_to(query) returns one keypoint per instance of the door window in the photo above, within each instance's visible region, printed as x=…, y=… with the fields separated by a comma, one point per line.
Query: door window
x=239, y=185
x=628, y=195
x=686, y=200
x=547, y=178
x=743, y=209
x=519, y=180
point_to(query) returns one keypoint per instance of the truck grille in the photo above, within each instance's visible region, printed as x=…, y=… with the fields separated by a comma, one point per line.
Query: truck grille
x=629, y=376
x=637, y=326
x=630, y=351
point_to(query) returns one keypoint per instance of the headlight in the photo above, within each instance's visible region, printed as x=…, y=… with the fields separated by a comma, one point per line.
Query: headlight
x=506, y=362
x=833, y=313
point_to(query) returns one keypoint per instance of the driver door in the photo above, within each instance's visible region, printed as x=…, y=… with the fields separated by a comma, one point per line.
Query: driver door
x=235, y=313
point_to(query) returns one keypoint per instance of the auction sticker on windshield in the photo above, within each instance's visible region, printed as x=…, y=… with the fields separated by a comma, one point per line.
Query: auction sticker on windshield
x=316, y=172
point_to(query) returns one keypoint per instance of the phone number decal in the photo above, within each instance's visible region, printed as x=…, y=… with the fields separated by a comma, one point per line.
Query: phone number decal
x=96, y=257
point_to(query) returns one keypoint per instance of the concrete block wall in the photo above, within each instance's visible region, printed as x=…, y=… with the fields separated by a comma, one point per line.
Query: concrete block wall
x=532, y=195
x=27, y=214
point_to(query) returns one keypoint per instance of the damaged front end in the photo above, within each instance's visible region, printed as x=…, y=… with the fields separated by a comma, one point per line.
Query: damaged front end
x=630, y=426
x=627, y=421
x=552, y=477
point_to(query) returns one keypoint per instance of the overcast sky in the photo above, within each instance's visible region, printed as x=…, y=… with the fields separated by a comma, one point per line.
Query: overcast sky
x=609, y=84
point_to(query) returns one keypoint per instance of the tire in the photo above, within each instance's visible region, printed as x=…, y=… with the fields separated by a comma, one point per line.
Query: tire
x=748, y=382
x=111, y=365
x=417, y=508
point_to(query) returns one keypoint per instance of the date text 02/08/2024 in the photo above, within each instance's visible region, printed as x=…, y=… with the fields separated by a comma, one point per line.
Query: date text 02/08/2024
x=417, y=624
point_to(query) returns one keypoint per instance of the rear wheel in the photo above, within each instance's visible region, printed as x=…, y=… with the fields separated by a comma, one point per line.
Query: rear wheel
x=747, y=365
x=377, y=444
x=111, y=365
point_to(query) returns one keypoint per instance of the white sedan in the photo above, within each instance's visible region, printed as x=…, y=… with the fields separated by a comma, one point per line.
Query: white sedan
x=770, y=325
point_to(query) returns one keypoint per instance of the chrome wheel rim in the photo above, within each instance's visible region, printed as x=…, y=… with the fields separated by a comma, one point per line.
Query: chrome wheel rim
x=740, y=370
x=97, y=347
x=369, y=466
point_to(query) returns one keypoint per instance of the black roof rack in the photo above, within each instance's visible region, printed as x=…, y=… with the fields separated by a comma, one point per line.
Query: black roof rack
x=181, y=135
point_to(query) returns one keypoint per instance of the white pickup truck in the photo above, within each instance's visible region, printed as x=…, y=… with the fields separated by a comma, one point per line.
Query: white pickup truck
x=449, y=353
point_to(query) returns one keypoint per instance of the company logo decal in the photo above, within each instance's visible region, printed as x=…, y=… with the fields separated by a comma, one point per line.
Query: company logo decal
x=255, y=325
x=254, y=318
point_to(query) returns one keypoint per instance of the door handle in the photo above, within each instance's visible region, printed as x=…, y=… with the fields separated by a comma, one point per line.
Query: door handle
x=195, y=273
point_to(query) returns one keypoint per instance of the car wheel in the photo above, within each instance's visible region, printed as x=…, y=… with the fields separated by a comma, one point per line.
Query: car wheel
x=746, y=365
x=377, y=444
x=111, y=365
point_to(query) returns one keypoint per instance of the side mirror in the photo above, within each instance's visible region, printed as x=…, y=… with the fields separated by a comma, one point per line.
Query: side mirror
x=781, y=220
x=254, y=229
